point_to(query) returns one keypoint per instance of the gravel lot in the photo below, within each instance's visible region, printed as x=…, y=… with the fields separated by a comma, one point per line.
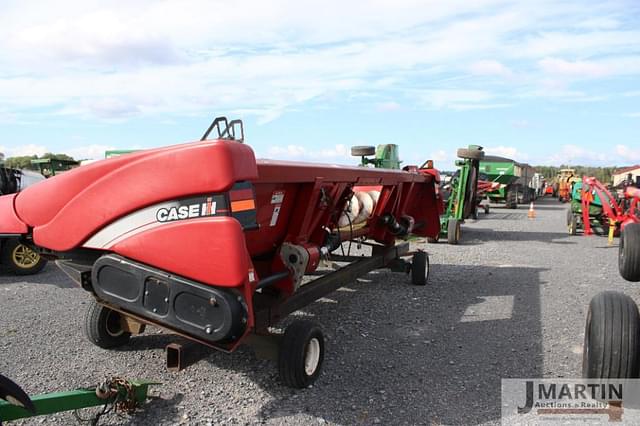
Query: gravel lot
x=509, y=301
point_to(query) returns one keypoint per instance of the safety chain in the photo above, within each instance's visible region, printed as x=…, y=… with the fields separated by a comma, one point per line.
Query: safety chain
x=111, y=388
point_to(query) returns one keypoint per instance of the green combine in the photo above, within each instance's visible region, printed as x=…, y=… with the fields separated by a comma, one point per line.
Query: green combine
x=516, y=179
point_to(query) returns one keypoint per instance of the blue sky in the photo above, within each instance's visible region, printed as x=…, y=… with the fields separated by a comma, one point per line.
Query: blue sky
x=545, y=82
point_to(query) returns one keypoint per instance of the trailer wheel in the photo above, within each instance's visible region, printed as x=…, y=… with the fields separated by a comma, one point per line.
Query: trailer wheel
x=474, y=213
x=301, y=354
x=21, y=259
x=102, y=327
x=359, y=151
x=629, y=253
x=573, y=225
x=487, y=209
x=569, y=215
x=420, y=268
x=453, y=231
x=470, y=154
x=611, y=337
x=511, y=199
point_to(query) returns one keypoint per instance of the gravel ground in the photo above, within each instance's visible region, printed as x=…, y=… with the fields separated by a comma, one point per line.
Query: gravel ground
x=509, y=301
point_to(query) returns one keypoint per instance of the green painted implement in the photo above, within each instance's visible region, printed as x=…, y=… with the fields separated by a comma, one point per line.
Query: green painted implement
x=385, y=156
x=462, y=200
x=122, y=394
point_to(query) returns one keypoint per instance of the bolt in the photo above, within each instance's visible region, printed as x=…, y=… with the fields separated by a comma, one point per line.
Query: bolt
x=213, y=301
x=166, y=300
x=208, y=330
x=146, y=293
x=244, y=320
x=155, y=310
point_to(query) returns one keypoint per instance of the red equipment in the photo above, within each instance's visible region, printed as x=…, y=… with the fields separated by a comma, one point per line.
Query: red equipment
x=205, y=241
x=614, y=212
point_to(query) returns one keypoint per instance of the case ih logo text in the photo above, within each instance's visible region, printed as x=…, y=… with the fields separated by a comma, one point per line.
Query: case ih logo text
x=188, y=211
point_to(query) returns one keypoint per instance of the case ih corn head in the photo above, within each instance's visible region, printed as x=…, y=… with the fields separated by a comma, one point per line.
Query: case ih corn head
x=203, y=240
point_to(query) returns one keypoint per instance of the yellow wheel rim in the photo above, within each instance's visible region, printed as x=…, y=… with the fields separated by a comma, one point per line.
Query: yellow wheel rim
x=24, y=257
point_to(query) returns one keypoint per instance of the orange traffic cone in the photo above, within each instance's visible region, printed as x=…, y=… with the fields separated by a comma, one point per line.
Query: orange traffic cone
x=532, y=212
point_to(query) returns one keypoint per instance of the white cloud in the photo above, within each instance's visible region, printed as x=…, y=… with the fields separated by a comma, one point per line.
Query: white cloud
x=439, y=156
x=388, y=106
x=606, y=23
x=573, y=69
x=89, y=152
x=22, y=150
x=627, y=154
x=490, y=68
x=507, y=151
x=452, y=98
x=112, y=61
x=296, y=152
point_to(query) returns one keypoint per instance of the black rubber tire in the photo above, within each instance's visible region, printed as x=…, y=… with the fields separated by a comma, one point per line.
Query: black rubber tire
x=611, y=338
x=487, y=209
x=453, y=231
x=573, y=225
x=293, y=351
x=629, y=253
x=474, y=213
x=511, y=198
x=569, y=215
x=433, y=240
x=470, y=154
x=359, y=151
x=420, y=268
x=102, y=327
x=7, y=259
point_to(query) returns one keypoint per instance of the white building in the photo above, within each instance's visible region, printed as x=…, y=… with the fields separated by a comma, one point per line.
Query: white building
x=620, y=175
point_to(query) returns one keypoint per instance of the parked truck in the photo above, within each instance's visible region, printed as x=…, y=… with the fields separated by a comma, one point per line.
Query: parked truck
x=517, y=180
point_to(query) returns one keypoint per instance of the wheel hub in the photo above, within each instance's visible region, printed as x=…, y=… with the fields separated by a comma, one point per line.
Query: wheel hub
x=24, y=257
x=312, y=356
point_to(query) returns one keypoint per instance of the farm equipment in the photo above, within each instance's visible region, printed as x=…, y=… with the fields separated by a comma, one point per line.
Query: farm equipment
x=49, y=167
x=461, y=196
x=516, y=179
x=115, y=393
x=612, y=334
x=204, y=241
x=566, y=178
x=18, y=257
x=593, y=204
x=385, y=156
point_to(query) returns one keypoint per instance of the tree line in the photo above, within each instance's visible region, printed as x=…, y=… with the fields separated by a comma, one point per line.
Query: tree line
x=603, y=174
x=24, y=161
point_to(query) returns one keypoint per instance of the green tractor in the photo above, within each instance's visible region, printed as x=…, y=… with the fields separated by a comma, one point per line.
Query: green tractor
x=461, y=194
